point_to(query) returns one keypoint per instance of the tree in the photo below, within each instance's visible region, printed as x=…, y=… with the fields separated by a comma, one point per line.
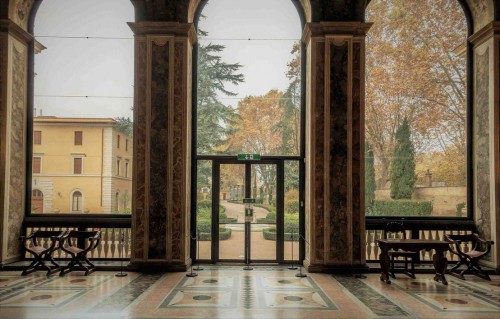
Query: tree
x=213, y=116
x=418, y=74
x=370, y=184
x=124, y=125
x=403, y=176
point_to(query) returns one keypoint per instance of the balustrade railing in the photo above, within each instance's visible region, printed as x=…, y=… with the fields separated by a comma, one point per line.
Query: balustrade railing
x=112, y=228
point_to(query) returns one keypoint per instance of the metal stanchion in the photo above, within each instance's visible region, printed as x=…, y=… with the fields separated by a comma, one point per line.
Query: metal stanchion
x=247, y=247
x=121, y=273
x=198, y=268
x=191, y=273
x=292, y=267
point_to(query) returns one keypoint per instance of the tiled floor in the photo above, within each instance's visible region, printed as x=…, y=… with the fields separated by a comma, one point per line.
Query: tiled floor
x=230, y=292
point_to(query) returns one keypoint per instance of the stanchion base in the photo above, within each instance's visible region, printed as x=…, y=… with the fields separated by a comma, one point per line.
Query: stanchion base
x=247, y=268
x=292, y=267
x=193, y=274
x=300, y=275
x=198, y=268
x=121, y=274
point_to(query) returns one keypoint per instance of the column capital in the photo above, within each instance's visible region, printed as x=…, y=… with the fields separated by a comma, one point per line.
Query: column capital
x=8, y=26
x=341, y=28
x=488, y=31
x=164, y=28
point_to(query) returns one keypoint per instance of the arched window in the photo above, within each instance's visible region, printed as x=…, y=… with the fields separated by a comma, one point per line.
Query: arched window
x=83, y=97
x=77, y=202
x=416, y=109
x=36, y=201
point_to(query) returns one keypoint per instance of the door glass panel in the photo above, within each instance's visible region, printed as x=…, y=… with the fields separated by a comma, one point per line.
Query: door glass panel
x=263, y=226
x=292, y=208
x=231, y=212
x=204, y=209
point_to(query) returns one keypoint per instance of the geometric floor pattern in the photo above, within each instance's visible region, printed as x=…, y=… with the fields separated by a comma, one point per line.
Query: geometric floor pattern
x=230, y=292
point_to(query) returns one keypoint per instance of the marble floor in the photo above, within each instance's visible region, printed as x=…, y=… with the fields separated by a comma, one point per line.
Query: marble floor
x=230, y=292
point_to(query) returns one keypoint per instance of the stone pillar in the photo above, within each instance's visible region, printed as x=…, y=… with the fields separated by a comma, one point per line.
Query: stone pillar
x=14, y=46
x=486, y=135
x=335, y=226
x=162, y=150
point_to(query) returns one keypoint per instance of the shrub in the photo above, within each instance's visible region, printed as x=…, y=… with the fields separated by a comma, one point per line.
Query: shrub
x=204, y=226
x=292, y=206
x=204, y=204
x=224, y=234
x=270, y=234
x=460, y=208
x=401, y=207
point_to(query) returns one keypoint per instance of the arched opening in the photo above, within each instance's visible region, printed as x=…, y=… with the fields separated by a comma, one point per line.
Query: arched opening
x=37, y=201
x=76, y=202
x=418, y=102
x=83, y=98
x=248, y=131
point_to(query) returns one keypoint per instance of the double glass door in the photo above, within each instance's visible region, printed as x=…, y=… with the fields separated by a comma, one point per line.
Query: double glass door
x=273, y=232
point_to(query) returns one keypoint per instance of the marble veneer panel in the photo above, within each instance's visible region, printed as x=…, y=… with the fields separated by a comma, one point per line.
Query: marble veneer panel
x=159, y=149
x=482, y=148
x=140, y=135
x=338, y=156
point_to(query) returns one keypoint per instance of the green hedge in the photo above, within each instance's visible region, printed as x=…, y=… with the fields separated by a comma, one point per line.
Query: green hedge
x=224, y=234
x=269, y=219
x=401, y=207
x=270, y=234
x=292, y=206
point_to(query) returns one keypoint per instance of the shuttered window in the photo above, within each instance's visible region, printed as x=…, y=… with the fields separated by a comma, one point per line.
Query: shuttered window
x=37, y=137
x=77, y=165
x=78, y=137
x=37, y=165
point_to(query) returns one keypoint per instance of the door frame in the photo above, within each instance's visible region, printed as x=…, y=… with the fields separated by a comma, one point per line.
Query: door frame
x=280, y=194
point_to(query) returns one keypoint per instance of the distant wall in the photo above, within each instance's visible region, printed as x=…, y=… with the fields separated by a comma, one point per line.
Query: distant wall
x=444, y=199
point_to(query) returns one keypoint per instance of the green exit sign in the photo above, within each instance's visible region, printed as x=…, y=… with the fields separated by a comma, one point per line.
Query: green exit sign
x=248, y=157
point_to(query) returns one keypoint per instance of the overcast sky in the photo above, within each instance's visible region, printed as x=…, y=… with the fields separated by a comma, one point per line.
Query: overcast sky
x=104, y=67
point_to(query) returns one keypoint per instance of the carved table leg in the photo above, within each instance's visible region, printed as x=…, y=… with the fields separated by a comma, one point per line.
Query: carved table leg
x=440, y=263
x=384, y=264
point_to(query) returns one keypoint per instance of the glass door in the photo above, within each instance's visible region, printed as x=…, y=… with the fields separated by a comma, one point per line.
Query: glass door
x=262, y=240
x=231, y=219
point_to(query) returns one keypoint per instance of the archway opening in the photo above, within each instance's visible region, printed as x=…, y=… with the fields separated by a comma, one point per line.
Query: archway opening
x=248, y=131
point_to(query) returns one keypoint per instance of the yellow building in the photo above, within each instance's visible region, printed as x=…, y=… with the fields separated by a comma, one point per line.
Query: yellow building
x=80, y=165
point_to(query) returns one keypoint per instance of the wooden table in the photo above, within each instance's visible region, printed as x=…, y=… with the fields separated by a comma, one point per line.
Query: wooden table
x=439, y=260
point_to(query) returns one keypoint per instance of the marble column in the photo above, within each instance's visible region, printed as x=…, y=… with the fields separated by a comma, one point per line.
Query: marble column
x=162, y=137
x=335, y=213
x=14, y=45
x=486, y=136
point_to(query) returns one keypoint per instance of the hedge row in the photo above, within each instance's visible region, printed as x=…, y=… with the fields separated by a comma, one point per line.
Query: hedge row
x=224, y=234
x=400, y=207
x=270, y=234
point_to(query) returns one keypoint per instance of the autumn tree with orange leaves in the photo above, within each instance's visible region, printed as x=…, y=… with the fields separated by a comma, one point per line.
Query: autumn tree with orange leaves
x=416, y=69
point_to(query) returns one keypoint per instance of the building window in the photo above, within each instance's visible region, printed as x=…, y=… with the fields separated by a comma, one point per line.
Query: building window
x=118, y=141
x=117, y=201
x=37, y=165
x=77, y=165
x=76, y=201
x=37, y=137
x=118, y=164
x=36, y=201
x=126, y=145
x=78, y=137
x=126, y=168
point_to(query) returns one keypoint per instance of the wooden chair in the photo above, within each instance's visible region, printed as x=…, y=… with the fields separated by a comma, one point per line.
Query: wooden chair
x=79, y=255
x=396, y=230
x=42, y=254
x=480, y=248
